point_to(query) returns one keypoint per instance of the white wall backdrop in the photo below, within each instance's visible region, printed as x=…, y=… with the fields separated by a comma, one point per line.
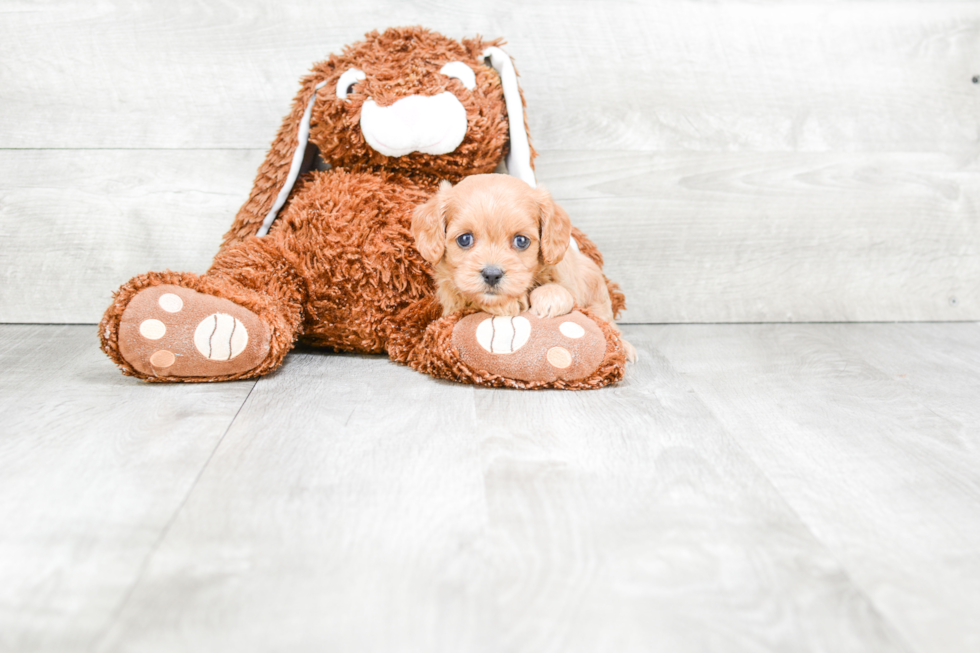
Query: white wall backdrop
x=735, y=161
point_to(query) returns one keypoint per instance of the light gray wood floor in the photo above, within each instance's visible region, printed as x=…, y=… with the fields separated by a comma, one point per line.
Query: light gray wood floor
x=807, y=487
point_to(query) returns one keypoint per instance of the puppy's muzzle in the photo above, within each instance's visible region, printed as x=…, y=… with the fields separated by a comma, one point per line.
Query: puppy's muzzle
x=492, y=275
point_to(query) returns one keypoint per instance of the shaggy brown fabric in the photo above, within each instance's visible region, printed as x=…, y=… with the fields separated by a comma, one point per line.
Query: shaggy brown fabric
x=398, y=62
x=339, y=267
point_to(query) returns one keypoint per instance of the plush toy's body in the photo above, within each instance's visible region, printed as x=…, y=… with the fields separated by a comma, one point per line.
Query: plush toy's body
x=327, y=256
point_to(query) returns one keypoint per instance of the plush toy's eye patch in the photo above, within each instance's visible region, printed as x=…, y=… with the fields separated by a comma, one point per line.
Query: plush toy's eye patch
x=460, y=71
x=345, y=85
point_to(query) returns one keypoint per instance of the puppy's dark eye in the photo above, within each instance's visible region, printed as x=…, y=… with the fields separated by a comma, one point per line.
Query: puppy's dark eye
x=521, y=242
x=464, y=240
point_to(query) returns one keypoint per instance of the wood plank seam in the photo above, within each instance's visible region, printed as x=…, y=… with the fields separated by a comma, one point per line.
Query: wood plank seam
x=824, y=545
x=166, y=529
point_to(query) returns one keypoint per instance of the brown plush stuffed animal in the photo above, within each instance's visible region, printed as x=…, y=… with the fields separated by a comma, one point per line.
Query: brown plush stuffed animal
x=327, y=256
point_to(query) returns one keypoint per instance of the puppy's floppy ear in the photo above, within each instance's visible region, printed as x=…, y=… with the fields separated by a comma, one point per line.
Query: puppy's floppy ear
x=429, y=225
x=288, y=156
x=556, y=227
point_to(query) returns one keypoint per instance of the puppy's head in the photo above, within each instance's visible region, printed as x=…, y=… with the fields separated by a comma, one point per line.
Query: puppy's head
x=490, y=236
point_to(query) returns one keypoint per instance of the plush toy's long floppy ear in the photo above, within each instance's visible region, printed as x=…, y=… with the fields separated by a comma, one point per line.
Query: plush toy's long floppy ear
x=295, y=166
x=288, y=156
x=519, y=156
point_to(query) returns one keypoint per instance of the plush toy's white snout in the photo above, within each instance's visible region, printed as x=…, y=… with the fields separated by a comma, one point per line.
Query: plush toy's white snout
x=434, y=124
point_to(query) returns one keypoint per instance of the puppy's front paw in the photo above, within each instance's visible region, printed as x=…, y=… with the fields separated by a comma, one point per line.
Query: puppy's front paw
x=551, y=300
x=511, y=308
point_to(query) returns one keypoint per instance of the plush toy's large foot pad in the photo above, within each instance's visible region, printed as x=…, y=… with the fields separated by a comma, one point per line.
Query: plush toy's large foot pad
x=172, y=331
x=528, y=348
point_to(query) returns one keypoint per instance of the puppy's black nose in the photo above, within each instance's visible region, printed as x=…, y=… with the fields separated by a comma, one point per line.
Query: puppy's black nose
x=492, y=275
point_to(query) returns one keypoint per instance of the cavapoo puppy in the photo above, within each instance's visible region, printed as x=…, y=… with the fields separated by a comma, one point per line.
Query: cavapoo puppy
x=500, y=246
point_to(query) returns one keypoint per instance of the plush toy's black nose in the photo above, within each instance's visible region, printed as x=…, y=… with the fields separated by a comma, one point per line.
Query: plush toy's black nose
x=492, y=275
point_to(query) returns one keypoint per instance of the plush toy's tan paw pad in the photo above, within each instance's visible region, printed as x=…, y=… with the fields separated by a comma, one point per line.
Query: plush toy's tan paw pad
x=529, y=348
x=172, y=331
